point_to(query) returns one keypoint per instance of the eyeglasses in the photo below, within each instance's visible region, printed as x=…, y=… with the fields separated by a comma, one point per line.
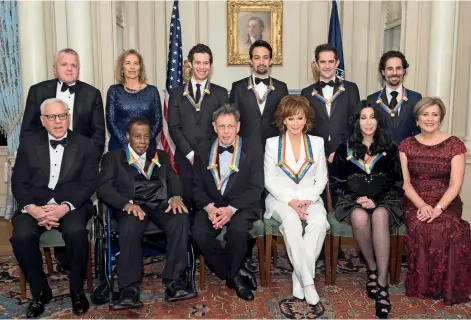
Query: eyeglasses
x=52, y=117
x=223, y=127
x=144, y=138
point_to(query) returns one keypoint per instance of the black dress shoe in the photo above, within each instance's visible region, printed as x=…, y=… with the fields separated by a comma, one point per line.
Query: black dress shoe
x=241, y=289
x=249, y=278
x=80, y=303
x=36, y=307
x=129, y=297
x=178, y=290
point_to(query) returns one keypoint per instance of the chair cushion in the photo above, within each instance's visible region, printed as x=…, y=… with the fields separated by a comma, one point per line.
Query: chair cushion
x=272, y=227
x=52, y=238
x=337, y=228
x=402, y=230
x=258, y=230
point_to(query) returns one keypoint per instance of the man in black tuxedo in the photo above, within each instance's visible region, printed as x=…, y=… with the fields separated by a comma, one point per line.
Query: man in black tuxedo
x=227, y=188
x=55, y=174
x=139, y=184
x=333, y=100
x=84, y=101
x=394, y=101
x=258, y=96
x=190, y=110
x=85, y=108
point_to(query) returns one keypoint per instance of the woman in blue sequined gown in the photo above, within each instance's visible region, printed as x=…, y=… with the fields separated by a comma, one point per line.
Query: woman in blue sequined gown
x=131, y=97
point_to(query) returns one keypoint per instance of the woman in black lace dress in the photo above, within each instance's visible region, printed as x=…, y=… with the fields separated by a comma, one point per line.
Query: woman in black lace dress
x=366, y=189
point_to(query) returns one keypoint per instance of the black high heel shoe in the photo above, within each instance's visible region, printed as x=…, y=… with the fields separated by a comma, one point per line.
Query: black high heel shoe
x=371, y=283
x=383, y=304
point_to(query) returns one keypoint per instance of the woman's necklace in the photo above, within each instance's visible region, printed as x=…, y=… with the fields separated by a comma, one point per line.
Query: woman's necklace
x=131, y=90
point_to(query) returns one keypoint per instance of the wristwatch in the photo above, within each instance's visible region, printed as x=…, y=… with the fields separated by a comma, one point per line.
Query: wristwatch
x=439, y=207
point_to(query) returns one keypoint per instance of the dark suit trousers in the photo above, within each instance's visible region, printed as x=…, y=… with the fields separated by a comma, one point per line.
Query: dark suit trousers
x=25, y=243
x=224, y=262
x=131, y=230
x=185, y=170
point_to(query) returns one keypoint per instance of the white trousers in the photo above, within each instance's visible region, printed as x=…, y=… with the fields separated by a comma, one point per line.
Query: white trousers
x=303, y=251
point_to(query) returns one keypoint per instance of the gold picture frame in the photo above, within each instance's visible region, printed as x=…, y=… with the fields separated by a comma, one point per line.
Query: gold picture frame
x=248, y=20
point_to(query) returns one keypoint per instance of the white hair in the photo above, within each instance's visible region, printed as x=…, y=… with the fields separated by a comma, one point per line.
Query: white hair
x=51, y=101
x=68, y=51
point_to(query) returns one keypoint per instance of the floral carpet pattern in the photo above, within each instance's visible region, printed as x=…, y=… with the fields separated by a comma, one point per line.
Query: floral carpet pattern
x=345, y=300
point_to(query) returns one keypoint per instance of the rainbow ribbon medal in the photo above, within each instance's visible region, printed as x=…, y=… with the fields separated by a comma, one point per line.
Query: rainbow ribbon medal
x=196, y=105
x=386, y=108
x=134, y=163
x=296, y=177
x=234, y=167
x=368, y=166
x=262, y=99
x=329, y=102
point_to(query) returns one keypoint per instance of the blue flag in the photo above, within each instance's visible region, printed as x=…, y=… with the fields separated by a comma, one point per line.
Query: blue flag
x=175, y=58
x=335, y=38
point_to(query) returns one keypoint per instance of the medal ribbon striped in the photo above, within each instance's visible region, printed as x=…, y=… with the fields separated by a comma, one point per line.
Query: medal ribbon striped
x=134, y=163
x=368, y=166
x=295, y=176
x=328, y=102
x=262, y=99
x=386, y=108
x=187, y=94
x=234, y=166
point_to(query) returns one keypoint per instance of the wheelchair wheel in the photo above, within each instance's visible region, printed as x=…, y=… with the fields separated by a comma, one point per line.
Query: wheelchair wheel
x=99, y=251
x=101, y=294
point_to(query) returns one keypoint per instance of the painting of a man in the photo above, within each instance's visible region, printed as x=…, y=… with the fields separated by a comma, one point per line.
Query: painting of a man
x=253, y=26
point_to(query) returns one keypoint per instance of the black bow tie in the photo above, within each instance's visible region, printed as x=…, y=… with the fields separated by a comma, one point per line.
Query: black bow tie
x=229, y=149
x=330, y=83
x=266, y=81
x=65, y=86
x=55, y=143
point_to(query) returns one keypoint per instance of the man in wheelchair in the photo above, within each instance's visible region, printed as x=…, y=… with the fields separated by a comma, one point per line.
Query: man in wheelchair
x=139, y=184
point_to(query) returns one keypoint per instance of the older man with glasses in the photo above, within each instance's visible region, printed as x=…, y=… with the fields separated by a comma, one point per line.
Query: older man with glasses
x=55, y=174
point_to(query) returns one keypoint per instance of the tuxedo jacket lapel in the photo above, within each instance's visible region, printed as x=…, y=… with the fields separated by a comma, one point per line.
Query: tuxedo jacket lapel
x=80, y=97
x=334, y=105
x=320, y=104
x=68, y=158
x=234, y=175
x=43, y=154
x=253, y=100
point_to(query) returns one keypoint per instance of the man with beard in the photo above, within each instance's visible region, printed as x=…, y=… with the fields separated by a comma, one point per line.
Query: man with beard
x=190, y=111
x=395, y=102
x=258, y=96
x=333, y=100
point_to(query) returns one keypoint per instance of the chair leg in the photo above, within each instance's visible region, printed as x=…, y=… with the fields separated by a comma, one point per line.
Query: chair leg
x=22, y=285
x=48, y=258
x=202, y=272
x=392, y=259
x=335, y=257
x=89, y=271
x=274, y=248
x=268, y=242
x=261, y=260
x=400, y=251
x=328, y=259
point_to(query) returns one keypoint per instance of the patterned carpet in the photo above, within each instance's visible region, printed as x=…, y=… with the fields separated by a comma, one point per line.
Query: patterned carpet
x=345, y=300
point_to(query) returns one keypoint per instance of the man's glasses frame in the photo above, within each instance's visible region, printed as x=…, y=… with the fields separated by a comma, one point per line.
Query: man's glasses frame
x=53, y=117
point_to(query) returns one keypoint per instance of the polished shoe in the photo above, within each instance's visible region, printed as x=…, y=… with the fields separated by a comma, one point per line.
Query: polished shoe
x=129, y=297
x=240, y=287
x=249, y=278
x=36, y=307
x=178, y=290
x=80, y=303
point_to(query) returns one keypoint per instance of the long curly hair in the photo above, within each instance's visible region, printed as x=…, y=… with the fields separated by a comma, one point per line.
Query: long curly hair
x=382, y=141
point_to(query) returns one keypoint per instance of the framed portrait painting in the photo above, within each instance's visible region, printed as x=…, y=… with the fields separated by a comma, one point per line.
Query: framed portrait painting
x=248, y=21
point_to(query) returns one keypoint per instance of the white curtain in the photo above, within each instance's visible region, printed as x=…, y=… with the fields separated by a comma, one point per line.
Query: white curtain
x=11, y=110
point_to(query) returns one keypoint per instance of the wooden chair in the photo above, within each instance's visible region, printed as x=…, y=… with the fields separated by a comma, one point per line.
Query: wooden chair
x=258, y=233
x=51, y=239
x=400, y=250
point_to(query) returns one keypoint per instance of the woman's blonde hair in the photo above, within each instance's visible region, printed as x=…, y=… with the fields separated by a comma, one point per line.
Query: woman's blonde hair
x=426, y=102
x=119, y=73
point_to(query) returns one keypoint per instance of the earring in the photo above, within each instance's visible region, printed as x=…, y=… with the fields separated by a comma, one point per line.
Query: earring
x=417, y=123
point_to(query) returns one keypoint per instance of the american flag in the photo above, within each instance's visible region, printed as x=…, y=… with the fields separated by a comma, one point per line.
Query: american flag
x=174, y=76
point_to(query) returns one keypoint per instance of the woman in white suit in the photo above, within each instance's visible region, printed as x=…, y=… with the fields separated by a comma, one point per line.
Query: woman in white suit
x=295, y=176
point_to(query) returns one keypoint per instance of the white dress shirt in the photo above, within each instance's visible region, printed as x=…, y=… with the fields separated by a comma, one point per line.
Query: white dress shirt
x=68, y=98
x=328, y=92
x=141, y=159
x=261, y=89
x=191, y=154
x=389, y=96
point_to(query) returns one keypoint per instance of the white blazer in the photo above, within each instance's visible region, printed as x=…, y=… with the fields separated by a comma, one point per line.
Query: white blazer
x=280, y=186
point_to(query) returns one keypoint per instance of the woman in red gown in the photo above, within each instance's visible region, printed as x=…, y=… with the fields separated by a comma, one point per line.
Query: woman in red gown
x=437, y=239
